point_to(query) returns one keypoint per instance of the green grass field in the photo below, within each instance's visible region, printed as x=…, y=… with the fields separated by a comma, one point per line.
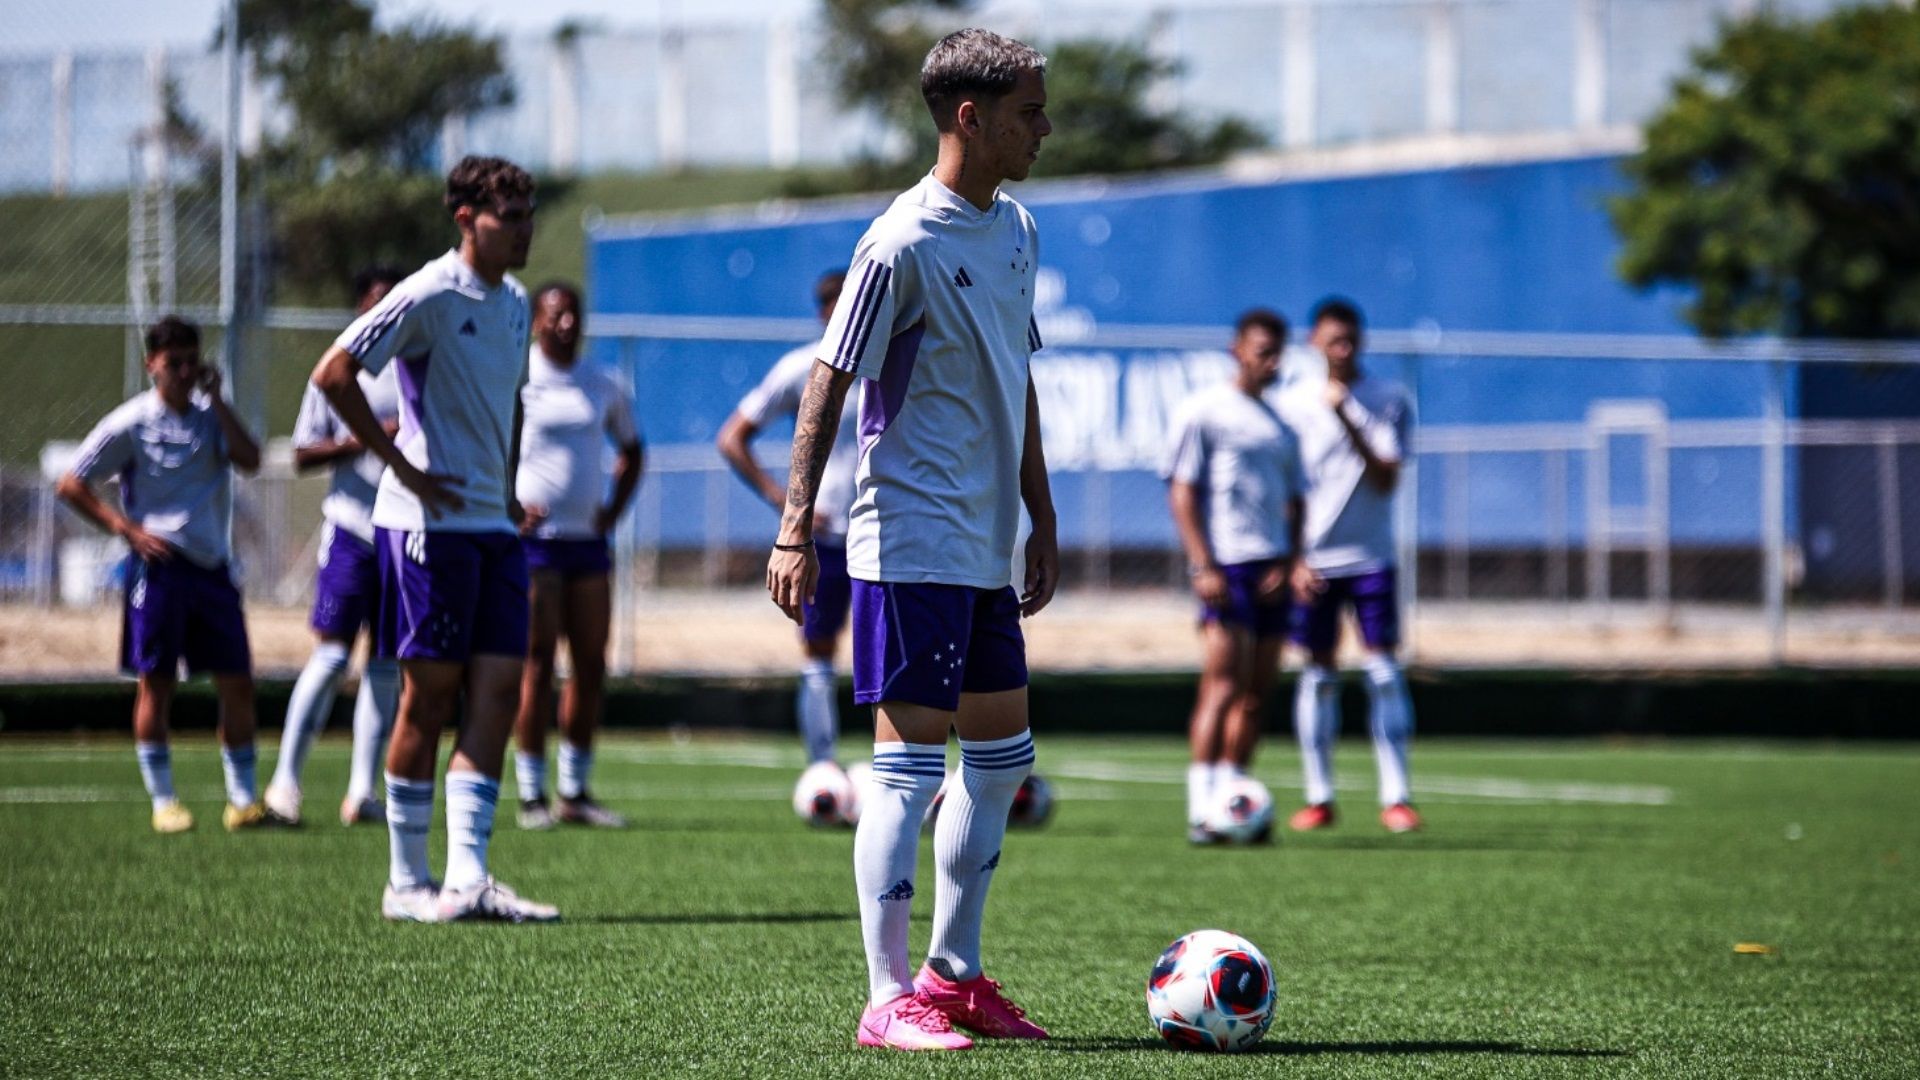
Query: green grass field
x=1571, y=911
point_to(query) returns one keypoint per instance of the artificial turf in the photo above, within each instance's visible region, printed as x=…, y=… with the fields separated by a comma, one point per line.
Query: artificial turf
x=1572, y=910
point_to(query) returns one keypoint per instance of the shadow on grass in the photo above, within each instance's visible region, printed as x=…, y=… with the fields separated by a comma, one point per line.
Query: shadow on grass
x=1384, y=1047
x=717, y=918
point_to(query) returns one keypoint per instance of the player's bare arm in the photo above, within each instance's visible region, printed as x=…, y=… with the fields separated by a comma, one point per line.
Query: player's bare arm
x=76, y=493
x=627, y=470
x=242, y=451
x=338, y=376
x=1184, y=502
x=1383, y=473
x=1043, y=547
x=735, y=443
x=320, y=454
x=793, y=566
x=1287, y=575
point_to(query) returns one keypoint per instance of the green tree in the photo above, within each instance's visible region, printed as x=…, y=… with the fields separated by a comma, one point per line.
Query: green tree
x=1782, y=181
x=349, y=180
x=1097, y=94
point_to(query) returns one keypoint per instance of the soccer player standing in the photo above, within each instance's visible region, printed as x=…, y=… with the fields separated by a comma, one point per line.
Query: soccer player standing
x=347, y=591
x=1234, y=485
x=571, y=410
x=938, y=322
x=1354, y=431
x=826, y=610
x=453, y=576
x=174, y=452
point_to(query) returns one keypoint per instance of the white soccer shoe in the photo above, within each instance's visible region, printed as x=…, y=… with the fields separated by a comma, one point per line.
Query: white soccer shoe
x=420, y=903
x=491, y=901
x=283, y=802
x=368, y=811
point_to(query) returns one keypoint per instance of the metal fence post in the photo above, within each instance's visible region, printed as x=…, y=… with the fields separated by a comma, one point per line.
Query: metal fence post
x=1890, y=555
x=1773, y=513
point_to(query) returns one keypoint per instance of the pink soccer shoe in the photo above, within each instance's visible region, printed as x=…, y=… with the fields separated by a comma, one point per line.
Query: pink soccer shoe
x=977, y=1005
x=908, y=1023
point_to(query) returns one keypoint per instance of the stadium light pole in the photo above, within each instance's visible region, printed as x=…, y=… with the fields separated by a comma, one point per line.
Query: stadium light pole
x=230, y=196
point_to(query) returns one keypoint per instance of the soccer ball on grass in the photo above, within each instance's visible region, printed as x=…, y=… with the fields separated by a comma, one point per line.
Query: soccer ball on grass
x=1211, y=990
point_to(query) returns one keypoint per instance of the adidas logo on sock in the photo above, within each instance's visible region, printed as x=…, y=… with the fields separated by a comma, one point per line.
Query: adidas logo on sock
x=961, y=279
x=902, y=890
x=991, y=863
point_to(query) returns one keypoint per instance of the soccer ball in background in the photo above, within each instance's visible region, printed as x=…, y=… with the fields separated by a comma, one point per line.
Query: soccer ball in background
x=1211, y=990
x=824, y=795
x=1032, y=804
x=859, y=780
x=1241, y=811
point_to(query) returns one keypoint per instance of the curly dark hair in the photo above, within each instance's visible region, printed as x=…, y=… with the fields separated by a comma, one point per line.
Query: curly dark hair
x=172, y=332
x=486, y=182
x=1266, y=319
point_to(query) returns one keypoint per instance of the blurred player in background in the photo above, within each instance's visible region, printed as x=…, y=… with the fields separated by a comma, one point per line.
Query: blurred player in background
x=938, y=322
x=1354, y=431
x=826, y=610
x=1235, y=486
x=571, y=410
x=346, y=593
x=453, y=576
x=174, y=449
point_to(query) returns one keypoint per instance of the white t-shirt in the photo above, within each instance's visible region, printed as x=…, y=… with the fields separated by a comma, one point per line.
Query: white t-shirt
x=462, y=348
x=937, y=316
x=1246, y=463
x=568, y=414
x=1349, y=527
x=779, y=395
x=355, y=480
x=175, y=480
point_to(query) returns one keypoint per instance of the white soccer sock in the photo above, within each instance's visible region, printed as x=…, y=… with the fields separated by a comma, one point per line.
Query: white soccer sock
x=1199, y=790
x=1223, y=771
x=1316, y=724
x=1390, y=714
x=308, y=709
x=530, y=776
x=471, y=799
x=373, y=710
x=886, y=849
x=576, y=765
x=966, y=847
x=819, y=712
x=409, y=816
x=238, y=762
x=156, y=770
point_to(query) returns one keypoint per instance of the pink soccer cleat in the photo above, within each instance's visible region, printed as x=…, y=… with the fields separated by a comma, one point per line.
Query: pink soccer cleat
x=977, y=1005
x=908, y=1023
x=1311, y=817
x=1400, y=818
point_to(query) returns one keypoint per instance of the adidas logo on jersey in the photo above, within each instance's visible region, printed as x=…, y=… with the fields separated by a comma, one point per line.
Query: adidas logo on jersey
x=467, y=329
x=961, y=279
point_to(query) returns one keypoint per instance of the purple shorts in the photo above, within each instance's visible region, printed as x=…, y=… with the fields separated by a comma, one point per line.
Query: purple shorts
x=1316, y=626
x=571, y=559
x=179, y=610
x=925, y=644
x=451, y=595
x=1243, y=609
x=826, y=613
x=347, y=592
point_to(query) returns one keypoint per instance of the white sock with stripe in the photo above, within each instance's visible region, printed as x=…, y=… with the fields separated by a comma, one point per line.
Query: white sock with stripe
x=373, y=710
x=886, y=849
x=1390, y=715
x=409, y=817
x=1316, y=724
x=471, y=800
x=576, y=765
x=1199, y=790
x=237, y=762
x=307, y=710
x=966, y=847
x=819, y=712
x=156, y=771
x=530, y=776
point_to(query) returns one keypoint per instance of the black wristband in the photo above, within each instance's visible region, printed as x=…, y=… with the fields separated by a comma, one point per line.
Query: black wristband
x=804, y=545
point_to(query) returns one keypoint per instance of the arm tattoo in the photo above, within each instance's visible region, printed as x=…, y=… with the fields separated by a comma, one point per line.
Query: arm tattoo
x=815, y=424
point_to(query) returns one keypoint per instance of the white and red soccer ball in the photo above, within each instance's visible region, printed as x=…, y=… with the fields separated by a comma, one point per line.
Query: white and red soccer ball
x=1241, y=811
x=825, y=796
x=1211, y=990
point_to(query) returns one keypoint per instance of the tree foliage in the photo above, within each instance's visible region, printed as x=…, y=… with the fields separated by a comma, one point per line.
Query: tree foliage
x=1097, y=93
x=349, y=178
x=1782, y=181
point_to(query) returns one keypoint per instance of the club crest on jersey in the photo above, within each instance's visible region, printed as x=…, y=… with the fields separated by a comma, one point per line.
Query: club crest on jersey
x=902, y=890
x=961, y=279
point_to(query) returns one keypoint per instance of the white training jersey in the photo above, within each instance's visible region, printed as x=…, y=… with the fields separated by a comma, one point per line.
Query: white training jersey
x=937, y=317
x=462, y=349
x=356, y=479
x=779, y=395
x=1246, y=463
x=175, y=480
x=1349, y=527
x=568, y=415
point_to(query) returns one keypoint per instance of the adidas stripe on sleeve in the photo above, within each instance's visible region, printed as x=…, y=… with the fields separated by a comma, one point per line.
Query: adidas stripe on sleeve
x=394, y=326
x=877, y=302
